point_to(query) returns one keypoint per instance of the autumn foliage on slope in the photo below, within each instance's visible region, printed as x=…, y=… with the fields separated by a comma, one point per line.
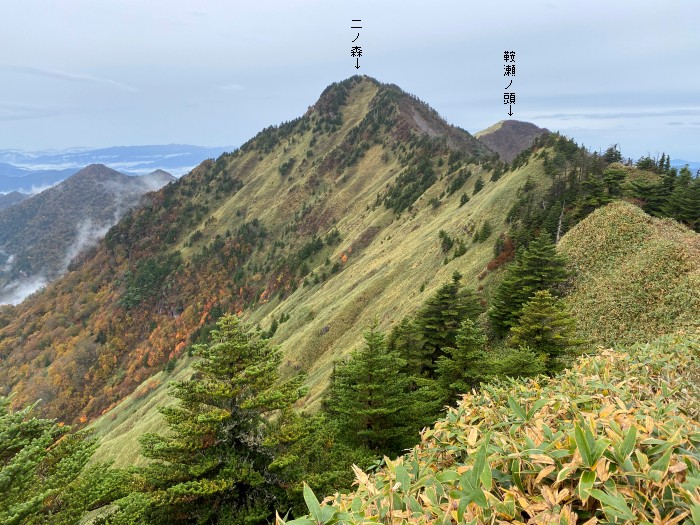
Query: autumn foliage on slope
x=194, y=250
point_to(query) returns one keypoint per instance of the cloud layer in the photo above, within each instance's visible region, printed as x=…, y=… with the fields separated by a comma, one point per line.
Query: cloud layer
x=221, y=72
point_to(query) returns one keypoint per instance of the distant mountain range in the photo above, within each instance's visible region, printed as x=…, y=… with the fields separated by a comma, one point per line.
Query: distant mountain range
x=40, y=235
x=30, y=172
x=692, y=165
x=11, y=198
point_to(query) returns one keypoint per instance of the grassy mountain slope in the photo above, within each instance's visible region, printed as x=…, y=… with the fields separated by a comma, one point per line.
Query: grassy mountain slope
x=392, y=264
x=625, y=287
x=613, y=438
x=303, y=202
x=380, y=281
x=636, y=276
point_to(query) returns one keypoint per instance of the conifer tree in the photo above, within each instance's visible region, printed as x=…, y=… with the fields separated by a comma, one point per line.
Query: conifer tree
x=368, y=397
x=665, y=188
x=675, y=203
x=539, y=267
x=43, y=474
x=613, y=178
x=466, y=364
x=690, y=206
x=406, y=340
x=439, y=320
x=684, y=201
x=311, y=449
x=612, y=154
x=212, y=465
x=651, y=193
x=546, y=327
x=518, y=362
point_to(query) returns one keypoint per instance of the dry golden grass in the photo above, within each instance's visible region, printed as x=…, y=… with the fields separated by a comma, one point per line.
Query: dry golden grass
x=636, y=276
x=498, y=125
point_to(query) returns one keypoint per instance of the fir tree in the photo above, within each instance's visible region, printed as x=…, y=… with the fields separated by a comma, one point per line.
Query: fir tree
x=466, y=364
x=675, y=203
x=439, y=320
x=665, y=189
x=546, y=327
x=536, y=268
x=484, y=232
x=613, y=178
x=212, y=465
x=651, y=194
x=43, y=473
x=518, y=362
x=593, y=194
x=690, y=206
x=405, y=339
x=368, y=396
x=311, y=449
x=612, y=154
x=478, y=185
x=684, y=202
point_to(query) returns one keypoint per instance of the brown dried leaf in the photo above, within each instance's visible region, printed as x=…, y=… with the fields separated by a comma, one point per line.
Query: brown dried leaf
x=649, y=424
x=548, y=496
x=542, y=459
x=562, y=495
x=544, y=473
x=472, y=437
x=602, y=470
x=606, y=411
x=677, y=519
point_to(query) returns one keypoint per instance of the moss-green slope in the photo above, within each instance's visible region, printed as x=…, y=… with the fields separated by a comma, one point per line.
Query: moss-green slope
x=381, y=280
x=386, y=264
x=636, y=277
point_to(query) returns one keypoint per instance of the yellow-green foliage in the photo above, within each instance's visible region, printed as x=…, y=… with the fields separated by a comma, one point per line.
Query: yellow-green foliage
x=614, y=439
x=636, y=276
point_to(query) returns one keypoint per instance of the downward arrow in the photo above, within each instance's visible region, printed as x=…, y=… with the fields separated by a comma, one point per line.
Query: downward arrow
x=357, y=66
x=510, y=109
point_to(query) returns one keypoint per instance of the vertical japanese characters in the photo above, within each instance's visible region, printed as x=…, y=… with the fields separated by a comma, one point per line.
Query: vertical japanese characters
x=356, y=50
x=509, y=73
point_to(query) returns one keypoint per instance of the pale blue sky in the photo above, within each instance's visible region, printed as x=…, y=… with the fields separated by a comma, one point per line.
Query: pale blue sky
x=101, y=73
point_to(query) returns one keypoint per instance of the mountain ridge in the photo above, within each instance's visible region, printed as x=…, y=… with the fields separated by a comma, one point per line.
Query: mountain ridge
x=315, y=227
x=201, y=244
x=40, y=235
x=509, y=137
x=11, y=198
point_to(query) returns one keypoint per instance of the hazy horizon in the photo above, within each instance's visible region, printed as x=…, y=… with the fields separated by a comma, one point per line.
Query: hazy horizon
x=81, y=75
